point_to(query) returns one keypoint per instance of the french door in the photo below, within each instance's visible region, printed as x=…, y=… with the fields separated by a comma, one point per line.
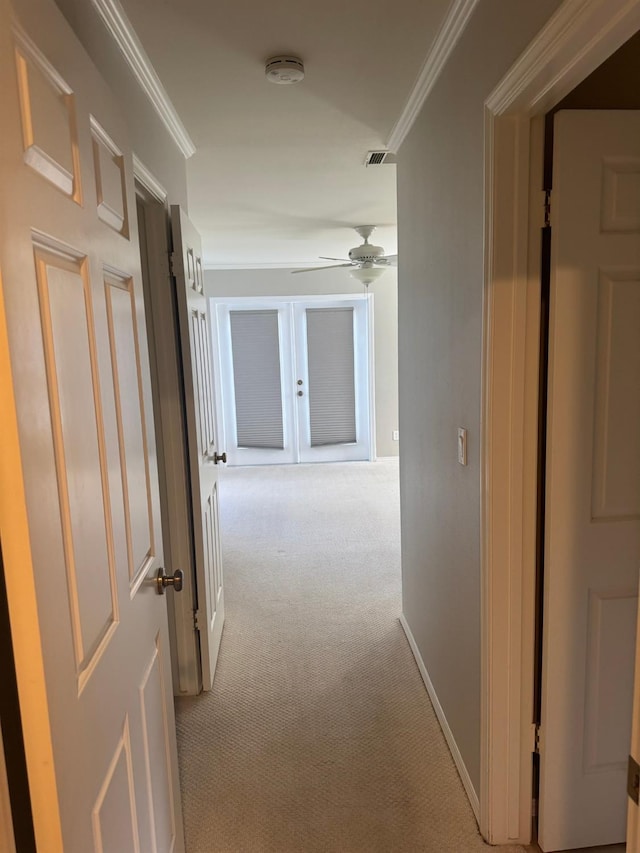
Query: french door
x=295, y=379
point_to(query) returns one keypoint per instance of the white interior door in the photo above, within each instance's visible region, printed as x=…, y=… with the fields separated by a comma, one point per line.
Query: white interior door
x=592, y=513
x=295, y=379
x=79, y=514
x=204, y=453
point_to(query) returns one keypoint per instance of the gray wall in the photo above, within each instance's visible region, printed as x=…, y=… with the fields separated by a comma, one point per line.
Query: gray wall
x=440, y=228
x=148, y=136
x=279, y=282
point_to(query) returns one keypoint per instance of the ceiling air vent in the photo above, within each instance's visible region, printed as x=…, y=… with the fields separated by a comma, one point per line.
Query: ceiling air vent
x=378, y=158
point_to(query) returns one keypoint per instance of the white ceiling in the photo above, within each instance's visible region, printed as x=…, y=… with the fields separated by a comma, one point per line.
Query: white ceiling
x=278, y=175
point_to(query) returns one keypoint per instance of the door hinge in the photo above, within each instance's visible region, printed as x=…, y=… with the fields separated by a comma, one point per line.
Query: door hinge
x=547, y=208
x=633, y=780
x=536, y=738
x=173, y=262
x=196, y=620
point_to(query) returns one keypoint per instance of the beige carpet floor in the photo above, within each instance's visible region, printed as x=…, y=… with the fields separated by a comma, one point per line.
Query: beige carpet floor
x=318, y=736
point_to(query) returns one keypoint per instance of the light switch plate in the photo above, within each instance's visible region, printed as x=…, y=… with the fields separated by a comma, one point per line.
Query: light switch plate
x=396, y=435
x=462, y=446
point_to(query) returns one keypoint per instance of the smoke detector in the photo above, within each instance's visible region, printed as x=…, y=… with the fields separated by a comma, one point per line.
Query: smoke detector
x=284, y=69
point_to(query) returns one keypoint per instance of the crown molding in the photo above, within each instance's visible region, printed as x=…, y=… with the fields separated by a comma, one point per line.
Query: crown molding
x=122, y=31
x=452, y=28
x=565, y=50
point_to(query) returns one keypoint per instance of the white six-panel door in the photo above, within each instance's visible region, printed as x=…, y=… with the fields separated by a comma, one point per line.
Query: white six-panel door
x=592, y=512
x=79, y=516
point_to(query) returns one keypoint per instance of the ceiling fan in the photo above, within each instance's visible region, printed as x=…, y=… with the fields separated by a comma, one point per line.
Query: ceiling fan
x=365, y=263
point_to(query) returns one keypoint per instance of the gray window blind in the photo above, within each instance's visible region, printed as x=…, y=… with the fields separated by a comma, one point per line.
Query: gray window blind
x=332, y=398
x=256, y=378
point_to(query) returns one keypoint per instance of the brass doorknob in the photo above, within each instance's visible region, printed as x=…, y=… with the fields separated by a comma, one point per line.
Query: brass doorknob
x=174, y=580
x=220, y=457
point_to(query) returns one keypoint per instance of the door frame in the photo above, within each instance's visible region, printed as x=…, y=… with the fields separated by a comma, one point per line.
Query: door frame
x=575, y=41
x=275, y=302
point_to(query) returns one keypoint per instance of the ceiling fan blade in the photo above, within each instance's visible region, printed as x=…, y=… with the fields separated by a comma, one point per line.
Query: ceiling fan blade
x=325, y=258
x=390, y=260
x=314, y=269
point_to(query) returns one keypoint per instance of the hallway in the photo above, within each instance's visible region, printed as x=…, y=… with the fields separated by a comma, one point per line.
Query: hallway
x=318, y=734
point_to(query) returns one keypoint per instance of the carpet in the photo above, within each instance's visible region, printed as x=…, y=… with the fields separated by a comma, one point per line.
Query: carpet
x=318, y=735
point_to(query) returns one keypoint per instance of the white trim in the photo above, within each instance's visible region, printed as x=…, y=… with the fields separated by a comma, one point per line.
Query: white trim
x=447, y=38
x=371, y=356
x=575, y=40
x=262, y=265
x=508, y=466
x=266, y=301
x=444, y=725
x=122, y=31
x=148, y=180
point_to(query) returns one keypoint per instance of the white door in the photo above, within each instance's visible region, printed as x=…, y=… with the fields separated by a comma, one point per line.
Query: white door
x=203, y=450
x=79, y=514
x=295, y=379
x=592, y=552
x=255, y=342
x=332, y=380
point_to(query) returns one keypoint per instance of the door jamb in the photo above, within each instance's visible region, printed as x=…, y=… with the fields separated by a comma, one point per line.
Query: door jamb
x=575, y=40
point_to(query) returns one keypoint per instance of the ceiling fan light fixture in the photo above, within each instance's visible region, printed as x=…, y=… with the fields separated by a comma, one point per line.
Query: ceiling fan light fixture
x=284, y=70
x=366, y=262
x=367, y=274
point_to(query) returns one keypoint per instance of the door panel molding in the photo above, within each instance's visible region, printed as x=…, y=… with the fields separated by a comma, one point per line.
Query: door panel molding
x=108, y=831
x=125, y=347
x=56, y=157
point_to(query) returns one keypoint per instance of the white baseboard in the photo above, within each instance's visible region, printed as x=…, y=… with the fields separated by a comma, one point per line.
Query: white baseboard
x=448, y=734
